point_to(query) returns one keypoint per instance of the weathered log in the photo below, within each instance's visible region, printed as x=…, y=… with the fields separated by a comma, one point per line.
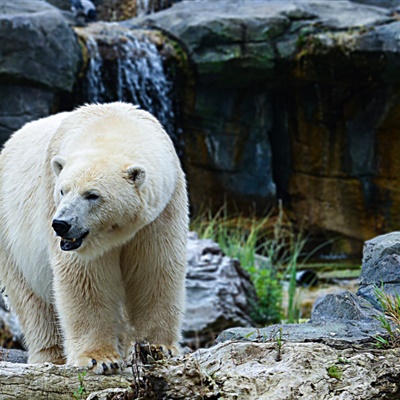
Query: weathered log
x=230, y=370
x=48, y=381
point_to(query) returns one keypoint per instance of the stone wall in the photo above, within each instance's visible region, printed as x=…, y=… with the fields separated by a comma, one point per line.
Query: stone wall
x=292, y=100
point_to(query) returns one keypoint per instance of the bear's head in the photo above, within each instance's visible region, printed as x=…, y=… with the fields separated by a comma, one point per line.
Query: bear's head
x=99, y=202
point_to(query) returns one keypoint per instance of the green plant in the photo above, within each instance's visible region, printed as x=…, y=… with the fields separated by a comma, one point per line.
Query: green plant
x=335, y=372
x=279, y=344
x=267, y=249
x=80, y=393
x=389, y=319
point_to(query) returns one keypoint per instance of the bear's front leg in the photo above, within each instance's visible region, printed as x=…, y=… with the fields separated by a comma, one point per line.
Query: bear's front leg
x=88, y=298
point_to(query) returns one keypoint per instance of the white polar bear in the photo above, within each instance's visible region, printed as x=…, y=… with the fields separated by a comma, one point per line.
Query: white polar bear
x=108, y=180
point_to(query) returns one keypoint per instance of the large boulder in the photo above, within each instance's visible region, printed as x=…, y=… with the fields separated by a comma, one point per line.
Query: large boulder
x=219, y=293
x=39, y=61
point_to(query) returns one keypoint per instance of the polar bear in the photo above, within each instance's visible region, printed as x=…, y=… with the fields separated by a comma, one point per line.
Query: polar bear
x=93, y=227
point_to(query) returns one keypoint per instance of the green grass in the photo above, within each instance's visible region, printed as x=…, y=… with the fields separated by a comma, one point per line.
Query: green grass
x=389, y=319
x=335, y=372
x=273, y=237
x=80, y=393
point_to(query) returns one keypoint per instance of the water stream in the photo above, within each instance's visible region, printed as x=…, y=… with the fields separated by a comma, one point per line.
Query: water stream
x=145, y=7
x=126, y=66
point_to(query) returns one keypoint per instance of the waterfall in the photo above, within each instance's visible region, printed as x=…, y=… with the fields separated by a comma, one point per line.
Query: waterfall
x=145, y=7
x=125, y=65
x=95, y=86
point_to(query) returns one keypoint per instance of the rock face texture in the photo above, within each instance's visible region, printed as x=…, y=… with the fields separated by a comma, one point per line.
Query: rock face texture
x=381, y=267
x=39, y=61
x=338, y=321
x=257, y=371
x=231, y=370
x=219, y=293
x=296, y=100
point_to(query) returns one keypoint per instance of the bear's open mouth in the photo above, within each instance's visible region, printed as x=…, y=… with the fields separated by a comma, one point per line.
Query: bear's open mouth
x=68, y=244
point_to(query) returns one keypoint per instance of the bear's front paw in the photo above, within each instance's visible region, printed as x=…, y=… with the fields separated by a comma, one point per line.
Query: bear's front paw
x=150, y=353
x=160, y=351
x=100, y=363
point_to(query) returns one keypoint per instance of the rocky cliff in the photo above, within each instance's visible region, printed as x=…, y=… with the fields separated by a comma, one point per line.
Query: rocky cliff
x=295, y=100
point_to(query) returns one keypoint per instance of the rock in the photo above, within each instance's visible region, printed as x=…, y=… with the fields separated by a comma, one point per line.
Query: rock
x=219, y=293
x=40, y=57
x=391, y=4
x=61, y=4
x=344, y=307
x=337, y=320
x=254, y=371
x=49, y=58
x=339, y=335
x=381, y=267
x=20, y=104
x=9, y=326
x=13, y=356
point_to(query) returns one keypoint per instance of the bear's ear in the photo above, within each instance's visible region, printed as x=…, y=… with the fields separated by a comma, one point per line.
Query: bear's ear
x=57, y=163
x=136, y=174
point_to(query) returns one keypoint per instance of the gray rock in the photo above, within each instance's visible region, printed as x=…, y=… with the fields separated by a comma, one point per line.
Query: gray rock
x=37, y=46
x=61, y=4
x=338, y=320
x=39, y=61
x=13, y=356
x=223, y=39
x=391, y=4
x=10, y=322
x=344, y=307
x=20, y=104
x=218, y=291
x=381, y=267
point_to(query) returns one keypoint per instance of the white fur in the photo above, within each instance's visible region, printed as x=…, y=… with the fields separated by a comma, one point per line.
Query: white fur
x=129, y=272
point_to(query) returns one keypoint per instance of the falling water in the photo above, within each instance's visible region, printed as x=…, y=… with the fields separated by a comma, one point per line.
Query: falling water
x=127, y=67
x=145, y=7
x=95, y=86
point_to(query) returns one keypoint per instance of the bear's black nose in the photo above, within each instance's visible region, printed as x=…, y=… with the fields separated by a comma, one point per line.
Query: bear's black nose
x=61, y=227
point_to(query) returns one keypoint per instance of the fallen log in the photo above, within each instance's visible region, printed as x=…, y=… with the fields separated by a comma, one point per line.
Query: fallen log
x=276, y=370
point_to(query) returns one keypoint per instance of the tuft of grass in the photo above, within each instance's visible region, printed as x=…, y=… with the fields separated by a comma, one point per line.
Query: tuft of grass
x=389, y=319
x=267, y=248
x=335, y=372
x=80, y=393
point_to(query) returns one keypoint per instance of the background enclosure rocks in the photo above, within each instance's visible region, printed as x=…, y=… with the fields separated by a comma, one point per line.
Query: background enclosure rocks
x=39, y=60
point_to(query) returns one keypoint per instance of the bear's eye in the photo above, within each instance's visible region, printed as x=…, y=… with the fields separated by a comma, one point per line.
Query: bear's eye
x=91, y=196
x=62, y=193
